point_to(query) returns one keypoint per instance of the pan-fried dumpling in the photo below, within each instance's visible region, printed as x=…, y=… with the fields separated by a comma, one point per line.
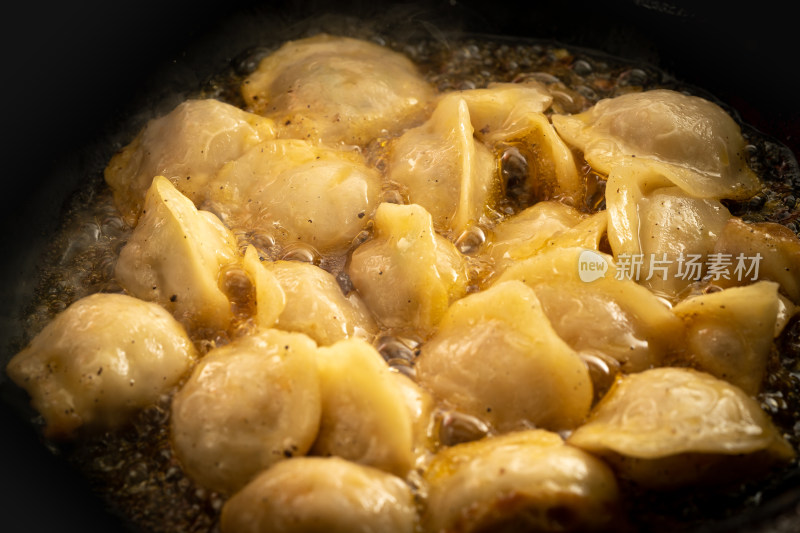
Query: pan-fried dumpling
x=365, y=415
x=668, y=233
x=490, y=108
x=246, y=406
x=296, y=191
x=407, y=274
x=188, y=146
x=174, y=258
x=444, y=169
x=669, y=427
x=496, y=357
x=523, y=481
x=269, y=296
x=321, y=495
x=687, y=139
x=729, y=332
x=596, y=313
x=100, y=359
x=316, y=306
x=337, y=89
x=537, y=227
x=762, y=250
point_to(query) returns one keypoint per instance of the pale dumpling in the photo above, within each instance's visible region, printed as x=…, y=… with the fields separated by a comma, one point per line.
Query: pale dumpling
x=188, y=145
x=522, y=481
x=365, y=415
x=270, y=299
x=538, y=227
x=661, y=235
x=321, y=495
x=337, y=90
x=668, y=427
x=315, y=304
x=442, y=167
x=407, y=274
x=594, y=312
x=99, y=360
x=691, y=141
x=496, y=357
x=246, y=406
x=761, y=251
x=730, y=332
x=295, y=192
x=174, y=257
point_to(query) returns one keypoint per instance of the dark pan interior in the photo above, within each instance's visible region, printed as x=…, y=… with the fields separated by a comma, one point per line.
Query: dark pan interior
x=75, y=79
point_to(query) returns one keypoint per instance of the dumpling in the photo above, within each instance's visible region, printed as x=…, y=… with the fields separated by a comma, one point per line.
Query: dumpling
x=661, y=236
x=297, y=192
x=316, y=306
x=537, y=227
x=321, y=495
x=270, y=299
x=729, y=332
x=100, y=359
x=669, y=427
x=760, y=251
x=407, y=274
x=692, y=142
x=442, y=167
x=337, y=89
x=594, y=312
x=365, y=416
x=188, y=146
x=174, y=257
x=246, y=406
x=496, y=357
x=522, y=481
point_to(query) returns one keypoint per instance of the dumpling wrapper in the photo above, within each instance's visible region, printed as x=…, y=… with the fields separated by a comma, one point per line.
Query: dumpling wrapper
x=495, y=356
x=443, y=168
x=522, y=481
x=662, y=228
x=365, y=415
x=99, y=360
x=174, y=257
x=321, y=495
x=246, y=406
x=316, y=306
x=691, y=141
x=269, y=295
x=407, y=274
x=768, y=251
x=297, y=192
x=599, y=313
x=337, y=90
x=669, y=427
x=729, y=332
x=188, y=145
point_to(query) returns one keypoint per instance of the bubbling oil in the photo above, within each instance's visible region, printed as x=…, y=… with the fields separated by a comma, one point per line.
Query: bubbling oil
x=134, y=468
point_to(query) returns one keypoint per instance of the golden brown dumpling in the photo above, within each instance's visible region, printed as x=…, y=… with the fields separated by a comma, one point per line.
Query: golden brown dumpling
x=669, y=427
x=729, y=333
x=337, y=89
x=496, y=357
x=100, y=359
x=407, y=274
x=174, y=257
x=365, y=414
x=188, y=145
x=443, y=168
x=294, y=192
x=687, y=139
x=524, y=481
x=321, y=495
x=246, y=406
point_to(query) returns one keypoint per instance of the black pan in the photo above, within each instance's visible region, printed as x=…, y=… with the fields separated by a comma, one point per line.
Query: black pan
x=75, y=79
